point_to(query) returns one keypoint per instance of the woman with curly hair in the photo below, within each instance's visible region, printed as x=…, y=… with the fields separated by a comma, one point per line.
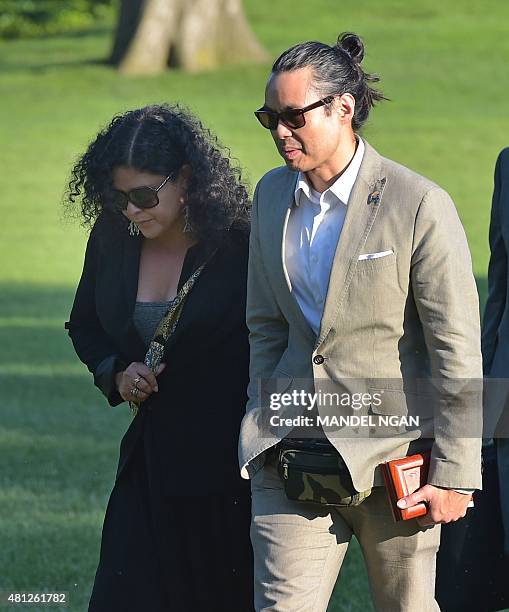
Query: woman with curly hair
x=159, y=320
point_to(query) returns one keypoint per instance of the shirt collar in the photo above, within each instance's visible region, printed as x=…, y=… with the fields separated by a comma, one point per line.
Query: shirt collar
x=342, y=187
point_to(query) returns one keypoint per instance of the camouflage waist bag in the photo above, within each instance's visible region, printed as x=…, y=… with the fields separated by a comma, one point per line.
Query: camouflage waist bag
x=313, y=471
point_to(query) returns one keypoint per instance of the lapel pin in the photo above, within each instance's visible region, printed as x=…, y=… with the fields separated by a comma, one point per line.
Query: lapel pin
x=374, y=198
x=376, y=195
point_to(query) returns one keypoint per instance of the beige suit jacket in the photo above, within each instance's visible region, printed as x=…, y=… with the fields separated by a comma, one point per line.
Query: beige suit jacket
x=388, y=324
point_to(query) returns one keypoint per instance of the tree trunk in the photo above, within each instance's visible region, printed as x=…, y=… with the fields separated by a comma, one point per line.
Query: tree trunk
x=216, y=32
x=199, y=35
x=148, y=50
x=128, y=19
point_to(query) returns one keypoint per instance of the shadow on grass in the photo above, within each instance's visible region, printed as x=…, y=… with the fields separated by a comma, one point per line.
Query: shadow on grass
x=31, y=300
x=91, y=32
x=57, y=51
x=41, y=68
x=32, y=334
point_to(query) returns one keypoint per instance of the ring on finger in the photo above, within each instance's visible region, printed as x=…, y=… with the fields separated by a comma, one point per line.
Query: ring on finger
x=135, y=391
x=136, y=381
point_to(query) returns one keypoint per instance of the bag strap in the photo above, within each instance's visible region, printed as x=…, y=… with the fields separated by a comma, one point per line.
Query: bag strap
x=168, y=324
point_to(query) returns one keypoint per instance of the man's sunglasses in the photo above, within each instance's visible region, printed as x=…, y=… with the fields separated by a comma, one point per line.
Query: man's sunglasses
x=141, y=197
x=293, y=118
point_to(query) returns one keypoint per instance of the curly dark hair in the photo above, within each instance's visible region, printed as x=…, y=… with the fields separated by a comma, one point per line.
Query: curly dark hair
x=161, y=139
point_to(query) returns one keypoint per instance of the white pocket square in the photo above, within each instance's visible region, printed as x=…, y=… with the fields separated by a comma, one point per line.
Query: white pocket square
x=375, y=255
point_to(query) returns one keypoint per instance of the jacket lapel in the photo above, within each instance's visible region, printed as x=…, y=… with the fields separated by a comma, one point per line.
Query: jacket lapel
x=130, y=269
x=362, y=209
x=130, y=272
x=193, y=305
x=283, y=201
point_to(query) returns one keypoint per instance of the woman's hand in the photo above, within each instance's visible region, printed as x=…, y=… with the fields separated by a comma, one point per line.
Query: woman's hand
x=137, y=382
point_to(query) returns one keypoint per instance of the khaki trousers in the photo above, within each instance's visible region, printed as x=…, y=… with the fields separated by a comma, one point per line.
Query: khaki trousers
x=299, y=549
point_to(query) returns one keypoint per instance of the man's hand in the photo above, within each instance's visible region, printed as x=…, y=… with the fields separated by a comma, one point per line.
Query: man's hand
x=444, y=505
x=136, y=383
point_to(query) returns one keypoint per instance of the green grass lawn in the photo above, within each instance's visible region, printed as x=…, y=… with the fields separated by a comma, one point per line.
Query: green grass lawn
x=444, y=68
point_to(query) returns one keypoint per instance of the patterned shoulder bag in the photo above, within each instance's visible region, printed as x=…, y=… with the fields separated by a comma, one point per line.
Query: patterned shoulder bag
x=167, y=326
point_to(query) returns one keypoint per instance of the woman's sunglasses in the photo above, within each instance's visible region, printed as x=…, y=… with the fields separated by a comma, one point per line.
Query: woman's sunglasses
x=293, y=118
x=141, y=197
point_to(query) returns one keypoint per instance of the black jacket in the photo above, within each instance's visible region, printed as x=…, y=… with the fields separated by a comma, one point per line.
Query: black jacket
x=191, y=424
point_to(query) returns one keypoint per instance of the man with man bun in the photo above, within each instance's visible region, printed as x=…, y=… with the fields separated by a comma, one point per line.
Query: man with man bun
x=359, y=278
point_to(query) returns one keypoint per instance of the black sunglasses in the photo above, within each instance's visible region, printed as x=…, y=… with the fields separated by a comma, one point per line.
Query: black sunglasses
x=141, y=197
x=293, y=118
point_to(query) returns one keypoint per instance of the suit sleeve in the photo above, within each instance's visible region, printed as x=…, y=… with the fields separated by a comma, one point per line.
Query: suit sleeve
x=91, y=343
x=268, y=329
x=497, y=275
x=447, y=303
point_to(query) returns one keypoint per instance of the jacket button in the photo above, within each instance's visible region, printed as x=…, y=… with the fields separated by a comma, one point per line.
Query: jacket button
x=318, y=359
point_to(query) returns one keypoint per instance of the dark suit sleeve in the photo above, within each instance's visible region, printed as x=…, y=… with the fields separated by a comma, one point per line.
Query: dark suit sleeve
x=91, y=343
x=497, y=271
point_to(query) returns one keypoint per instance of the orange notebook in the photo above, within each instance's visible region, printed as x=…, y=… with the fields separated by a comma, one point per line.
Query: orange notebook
x=402, y=477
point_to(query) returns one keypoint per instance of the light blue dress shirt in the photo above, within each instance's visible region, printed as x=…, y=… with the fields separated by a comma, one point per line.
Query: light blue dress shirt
x=312, y=235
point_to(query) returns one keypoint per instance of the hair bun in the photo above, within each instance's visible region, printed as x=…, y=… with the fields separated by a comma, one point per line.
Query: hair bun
x=353, y=45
